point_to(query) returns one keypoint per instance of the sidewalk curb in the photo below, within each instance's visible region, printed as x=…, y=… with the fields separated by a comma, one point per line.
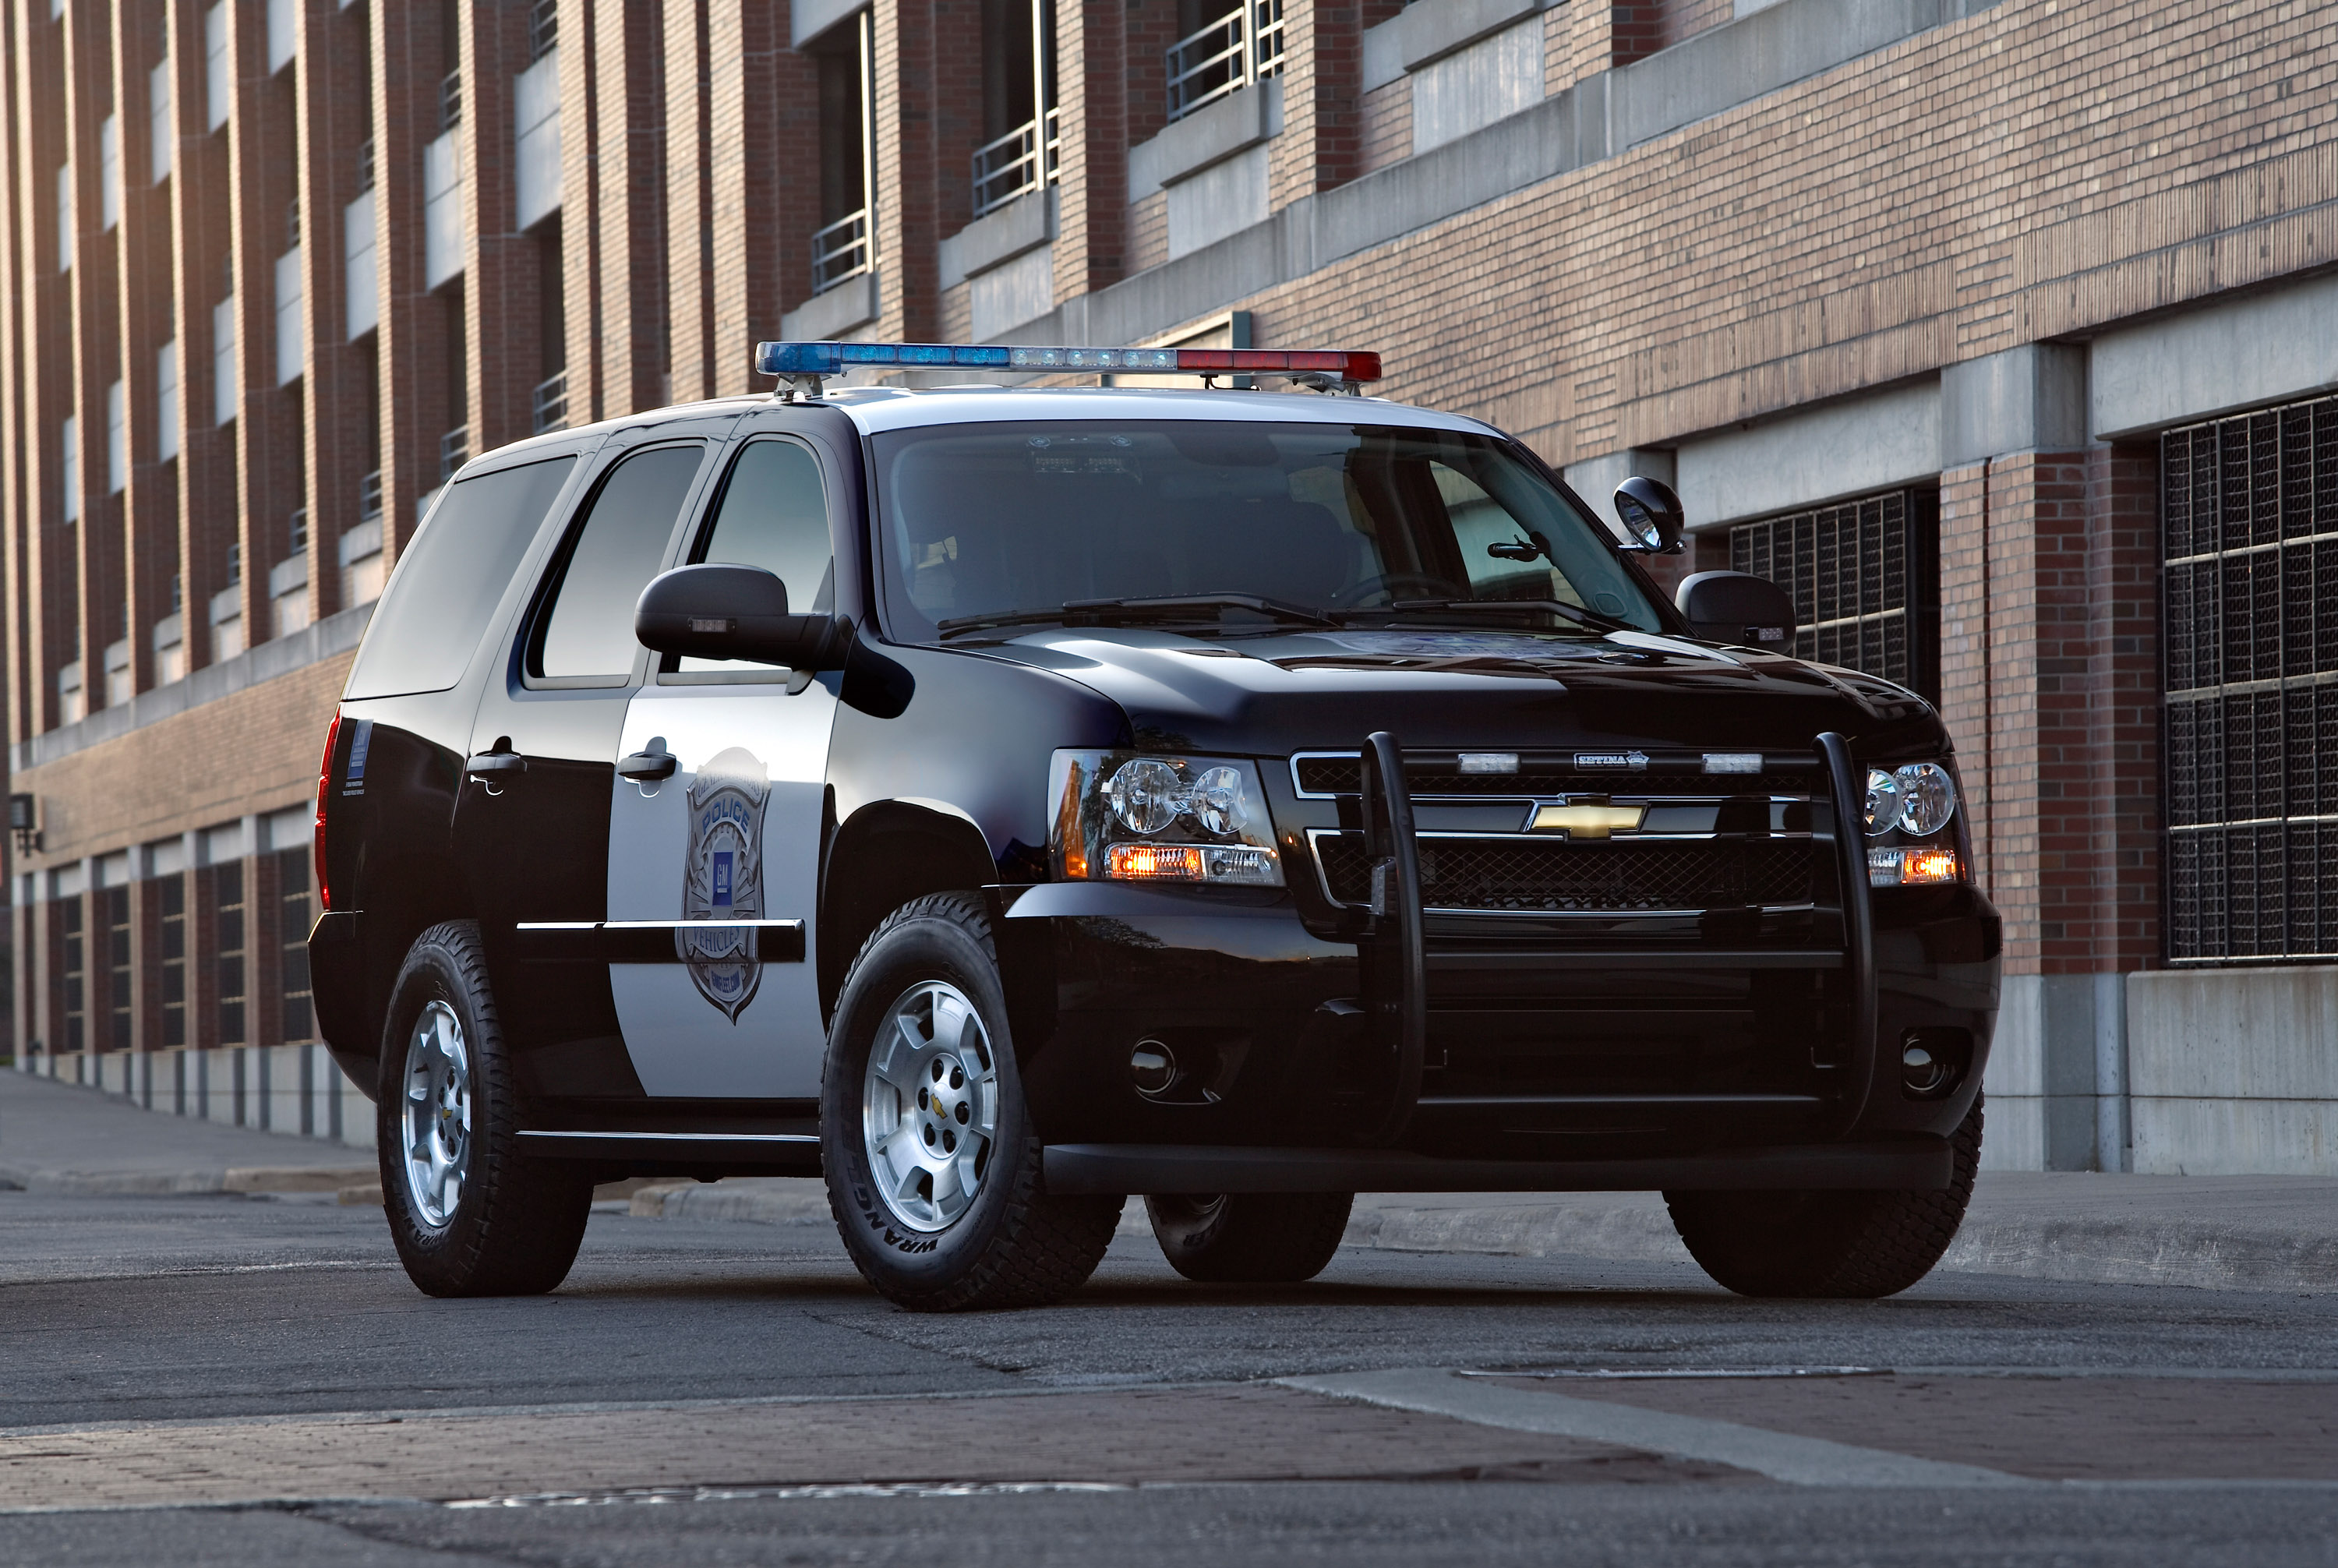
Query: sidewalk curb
x=2091, y=1251
x=239, y=1178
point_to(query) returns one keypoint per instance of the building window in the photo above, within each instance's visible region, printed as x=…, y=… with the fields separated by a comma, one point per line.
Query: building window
x=159, y=139
x=117, y=439
x=228, y=939
x=1864, y=578
x=172, y=900
x=109, y=172
x=115, y=902
x=219, y=80
x=72, y=969
x=69, y=467
x=293, y=880
x=166, y=401
x=2250, y=608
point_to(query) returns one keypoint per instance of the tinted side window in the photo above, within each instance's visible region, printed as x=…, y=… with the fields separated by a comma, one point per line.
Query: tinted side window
x=588, y=627
x=437, y=608
x=774, y=515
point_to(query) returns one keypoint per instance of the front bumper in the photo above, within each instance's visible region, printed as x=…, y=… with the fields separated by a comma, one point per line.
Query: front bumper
x=1545, y=1066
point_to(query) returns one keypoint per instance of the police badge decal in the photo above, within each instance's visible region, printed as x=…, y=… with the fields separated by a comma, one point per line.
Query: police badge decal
x=723, y=878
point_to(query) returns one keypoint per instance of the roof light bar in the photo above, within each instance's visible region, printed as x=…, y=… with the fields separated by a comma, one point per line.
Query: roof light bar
x=793, y=359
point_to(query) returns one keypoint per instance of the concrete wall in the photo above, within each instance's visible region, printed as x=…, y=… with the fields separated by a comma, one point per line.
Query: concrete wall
x=2235, y=1071
x=296, y=1090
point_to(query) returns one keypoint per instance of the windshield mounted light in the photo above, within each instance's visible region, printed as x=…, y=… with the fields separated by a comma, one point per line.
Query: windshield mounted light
x=1123, y=817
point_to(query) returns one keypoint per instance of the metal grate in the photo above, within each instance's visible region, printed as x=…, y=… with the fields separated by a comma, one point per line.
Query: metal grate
x=1559, y=877
x=1864, y=575
x=2249, y=599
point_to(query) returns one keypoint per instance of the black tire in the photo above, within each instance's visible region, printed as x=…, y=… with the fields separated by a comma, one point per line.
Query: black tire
x=1828, y=1244
x=1249, y=1238
x=515, y=1227
x=1013, y=1244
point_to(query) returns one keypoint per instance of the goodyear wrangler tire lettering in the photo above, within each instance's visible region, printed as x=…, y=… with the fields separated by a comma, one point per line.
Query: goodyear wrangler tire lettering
x=932, y=1163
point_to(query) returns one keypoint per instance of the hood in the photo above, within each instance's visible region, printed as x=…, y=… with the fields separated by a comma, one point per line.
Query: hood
x=1267, y=695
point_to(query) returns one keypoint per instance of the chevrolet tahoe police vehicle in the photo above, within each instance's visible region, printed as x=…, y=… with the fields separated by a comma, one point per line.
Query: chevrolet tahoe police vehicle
x=1000, y=801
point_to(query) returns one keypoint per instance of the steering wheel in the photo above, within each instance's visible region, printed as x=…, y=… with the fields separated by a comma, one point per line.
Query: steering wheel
x=1388, y=583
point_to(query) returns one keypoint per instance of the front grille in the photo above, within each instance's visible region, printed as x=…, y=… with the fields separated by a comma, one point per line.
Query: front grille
x=1558, y=876
x=1344, y=775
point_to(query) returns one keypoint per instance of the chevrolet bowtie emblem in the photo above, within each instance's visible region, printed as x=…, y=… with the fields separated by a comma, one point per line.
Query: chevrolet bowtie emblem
x=1593, y=818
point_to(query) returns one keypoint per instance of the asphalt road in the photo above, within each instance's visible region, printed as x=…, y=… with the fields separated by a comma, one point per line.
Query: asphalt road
x=213, y=1379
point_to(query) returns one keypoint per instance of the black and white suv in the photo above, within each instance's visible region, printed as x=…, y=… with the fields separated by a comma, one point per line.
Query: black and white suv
x=1003, y=800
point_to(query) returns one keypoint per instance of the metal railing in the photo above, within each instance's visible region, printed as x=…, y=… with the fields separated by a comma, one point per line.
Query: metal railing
x=1018, y=161
x=551, y=402
x=365, y=165
x=840, y=250
x=451, y=100
x=369, y=496
x=454, y=451
x=1232, y=53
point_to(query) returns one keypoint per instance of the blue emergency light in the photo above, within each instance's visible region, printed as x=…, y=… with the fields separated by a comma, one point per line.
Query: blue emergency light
x=794, y=360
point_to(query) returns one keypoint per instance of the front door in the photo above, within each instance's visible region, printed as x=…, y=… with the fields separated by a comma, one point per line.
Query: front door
x=714, y=868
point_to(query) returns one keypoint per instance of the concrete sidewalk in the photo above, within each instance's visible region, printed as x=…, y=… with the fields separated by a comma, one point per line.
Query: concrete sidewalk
x=68, y=1139
x=2216, y=1232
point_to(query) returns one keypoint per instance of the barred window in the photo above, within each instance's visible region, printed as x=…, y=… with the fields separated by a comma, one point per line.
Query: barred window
x=1864, y=575
x=2249, y=505
x=292, y=923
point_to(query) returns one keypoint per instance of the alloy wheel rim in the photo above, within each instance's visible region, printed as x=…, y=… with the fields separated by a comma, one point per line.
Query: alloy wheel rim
x=436, y=1123
x=929, y=1107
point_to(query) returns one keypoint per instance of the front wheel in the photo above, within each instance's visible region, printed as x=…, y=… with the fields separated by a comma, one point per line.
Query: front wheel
x=932, y=1163
x=1828, y=1244
x=1249, y=1238
x=470, y=1214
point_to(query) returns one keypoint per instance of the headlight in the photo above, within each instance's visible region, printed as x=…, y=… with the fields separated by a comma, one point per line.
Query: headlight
x=1121, y=817
x=1919, y=799
x=1918, y=802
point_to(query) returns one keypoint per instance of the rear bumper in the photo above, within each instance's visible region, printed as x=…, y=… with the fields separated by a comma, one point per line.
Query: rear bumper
x=1911, y=1164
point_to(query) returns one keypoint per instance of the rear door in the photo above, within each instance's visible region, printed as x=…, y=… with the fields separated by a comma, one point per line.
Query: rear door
x=532, y=822
x=713, y=871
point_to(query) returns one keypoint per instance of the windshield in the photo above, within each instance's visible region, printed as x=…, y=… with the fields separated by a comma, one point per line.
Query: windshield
x=997, y=525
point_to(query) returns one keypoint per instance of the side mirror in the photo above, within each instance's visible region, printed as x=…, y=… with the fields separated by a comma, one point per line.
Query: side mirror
x=733, y=613
x=1651, y=514
x=1739, y=608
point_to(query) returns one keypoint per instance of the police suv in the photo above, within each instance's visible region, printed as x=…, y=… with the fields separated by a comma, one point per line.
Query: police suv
x=1001, y=800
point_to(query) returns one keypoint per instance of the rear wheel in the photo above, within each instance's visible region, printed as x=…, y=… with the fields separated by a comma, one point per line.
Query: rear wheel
x=470, y=1214
x=933, y=1167
x=1838, y=1244
x=1249, y=1238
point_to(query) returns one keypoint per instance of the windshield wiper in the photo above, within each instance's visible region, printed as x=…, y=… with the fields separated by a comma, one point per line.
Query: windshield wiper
x=1575, y=612
x=1163, y=607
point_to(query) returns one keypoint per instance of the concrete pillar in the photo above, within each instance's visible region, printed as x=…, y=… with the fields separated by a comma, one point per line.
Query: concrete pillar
x=410, y=57
x=2050, y=623
x=1092, y=211
x=1321, y=144
x=907, y=209
x=263, y=183
x=209, y=511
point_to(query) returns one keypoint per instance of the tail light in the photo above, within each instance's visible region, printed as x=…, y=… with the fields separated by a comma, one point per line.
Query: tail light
x=324, y=783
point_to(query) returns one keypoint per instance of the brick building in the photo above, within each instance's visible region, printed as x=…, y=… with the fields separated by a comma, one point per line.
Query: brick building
x=2005, y=334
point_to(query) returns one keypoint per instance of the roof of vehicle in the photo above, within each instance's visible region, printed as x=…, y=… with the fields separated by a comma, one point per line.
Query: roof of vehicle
x=882, y=409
